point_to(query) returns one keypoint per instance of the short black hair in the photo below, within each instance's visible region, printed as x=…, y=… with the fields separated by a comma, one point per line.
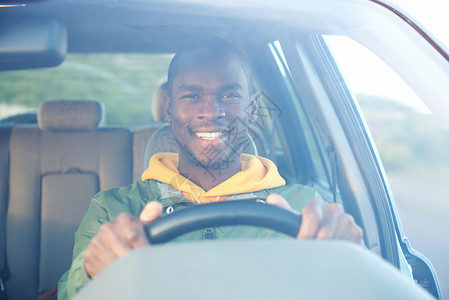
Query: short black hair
x=220, y=48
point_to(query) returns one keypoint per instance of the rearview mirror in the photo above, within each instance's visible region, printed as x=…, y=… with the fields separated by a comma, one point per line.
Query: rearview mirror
x=31, y=43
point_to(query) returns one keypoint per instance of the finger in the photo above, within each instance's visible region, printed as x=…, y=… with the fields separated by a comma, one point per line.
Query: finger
x=357, y=236
x=151, y=211
x=94, y=262
x=92, y=265
x=113, y=240
x=346, y=227
x=312, y=215
x=136, y=237
x=331, y=221
x=123, y=234
x=277, y=200
x=131, y=232
x=97, y=256
x=110, y=240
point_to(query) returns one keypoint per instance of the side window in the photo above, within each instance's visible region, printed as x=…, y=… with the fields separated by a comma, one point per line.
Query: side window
x=123, y=82
x=305, y=135
x=411, y=142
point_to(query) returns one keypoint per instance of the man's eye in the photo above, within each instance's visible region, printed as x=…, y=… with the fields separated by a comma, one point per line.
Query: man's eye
x=190, y=96
x=230, y=96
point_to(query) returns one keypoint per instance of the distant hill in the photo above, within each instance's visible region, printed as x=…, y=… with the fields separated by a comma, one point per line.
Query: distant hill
x=404, y=135
x=109, y=78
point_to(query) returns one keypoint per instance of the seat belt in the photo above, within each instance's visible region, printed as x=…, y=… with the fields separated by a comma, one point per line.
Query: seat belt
x=332, y=155
x=333, y=163
x=5, y=134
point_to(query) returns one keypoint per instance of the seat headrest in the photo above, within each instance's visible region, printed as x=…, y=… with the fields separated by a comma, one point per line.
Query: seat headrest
x=158, y=103
x=163, y=140
x=69, y=115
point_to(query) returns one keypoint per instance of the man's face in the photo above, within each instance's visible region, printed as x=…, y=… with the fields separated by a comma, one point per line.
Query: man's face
x=209, y=109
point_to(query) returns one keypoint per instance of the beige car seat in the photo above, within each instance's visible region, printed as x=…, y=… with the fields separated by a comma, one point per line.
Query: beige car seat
x=55, y=169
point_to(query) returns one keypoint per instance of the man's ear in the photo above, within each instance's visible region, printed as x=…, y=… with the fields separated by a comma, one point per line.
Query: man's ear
x=167, y=110
x=253, y=107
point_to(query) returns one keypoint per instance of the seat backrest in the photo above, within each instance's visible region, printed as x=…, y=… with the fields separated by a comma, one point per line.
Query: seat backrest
x=5, y=133
x=141, y=137
x=6, y=126
x=143, y=134
x=55, y=169
x=158, y=103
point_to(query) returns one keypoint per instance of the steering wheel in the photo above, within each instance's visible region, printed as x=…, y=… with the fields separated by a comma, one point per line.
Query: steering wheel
x=263, y=269
x=238, y=212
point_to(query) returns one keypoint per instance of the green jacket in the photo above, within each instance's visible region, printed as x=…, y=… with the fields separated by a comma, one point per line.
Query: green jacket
x=107, y=205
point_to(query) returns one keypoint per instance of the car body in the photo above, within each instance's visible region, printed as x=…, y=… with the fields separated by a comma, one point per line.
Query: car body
x=309, y=122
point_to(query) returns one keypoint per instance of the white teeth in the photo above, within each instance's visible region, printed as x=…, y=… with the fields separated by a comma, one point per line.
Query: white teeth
x=209, y=135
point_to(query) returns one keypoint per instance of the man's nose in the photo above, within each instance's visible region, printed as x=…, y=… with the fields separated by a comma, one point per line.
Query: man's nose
x=211, y=109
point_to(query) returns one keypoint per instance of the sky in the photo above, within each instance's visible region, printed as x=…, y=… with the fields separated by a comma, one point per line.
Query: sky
x=355, y=59
x=432, y=14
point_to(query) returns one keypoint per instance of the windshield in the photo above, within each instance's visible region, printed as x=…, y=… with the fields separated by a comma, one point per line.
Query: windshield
x=353, y=105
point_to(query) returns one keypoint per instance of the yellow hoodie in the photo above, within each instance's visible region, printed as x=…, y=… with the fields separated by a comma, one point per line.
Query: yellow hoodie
x=257, y=173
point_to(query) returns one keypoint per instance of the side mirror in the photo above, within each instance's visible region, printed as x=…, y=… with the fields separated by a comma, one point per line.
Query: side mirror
x=31, y=42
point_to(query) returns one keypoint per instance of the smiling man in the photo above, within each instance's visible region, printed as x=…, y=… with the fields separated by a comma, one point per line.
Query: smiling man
x=207, y=97
x=210, y=104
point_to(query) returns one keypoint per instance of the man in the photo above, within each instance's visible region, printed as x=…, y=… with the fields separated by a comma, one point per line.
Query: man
x=211, y=101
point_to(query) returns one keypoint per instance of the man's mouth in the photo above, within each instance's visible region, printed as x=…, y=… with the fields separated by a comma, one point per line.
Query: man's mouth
x=209, y=135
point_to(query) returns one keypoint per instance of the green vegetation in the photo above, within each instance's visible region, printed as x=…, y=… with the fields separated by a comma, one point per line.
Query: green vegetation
x=124, y=83
x=406, y=139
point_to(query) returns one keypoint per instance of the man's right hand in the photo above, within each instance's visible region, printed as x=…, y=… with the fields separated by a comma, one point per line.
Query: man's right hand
x=118, y=237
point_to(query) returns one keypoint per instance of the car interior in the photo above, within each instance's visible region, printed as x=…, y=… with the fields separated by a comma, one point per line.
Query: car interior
x=54, y=160
x=66, y=155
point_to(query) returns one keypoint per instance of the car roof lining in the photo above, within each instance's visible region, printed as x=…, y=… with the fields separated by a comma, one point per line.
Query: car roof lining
x=151, y=39
x=148, y=26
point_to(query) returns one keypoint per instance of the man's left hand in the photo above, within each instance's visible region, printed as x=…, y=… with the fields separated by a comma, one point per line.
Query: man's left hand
x=323, y=221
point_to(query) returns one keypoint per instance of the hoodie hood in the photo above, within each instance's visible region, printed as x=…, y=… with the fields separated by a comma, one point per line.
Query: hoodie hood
x=257, y=173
